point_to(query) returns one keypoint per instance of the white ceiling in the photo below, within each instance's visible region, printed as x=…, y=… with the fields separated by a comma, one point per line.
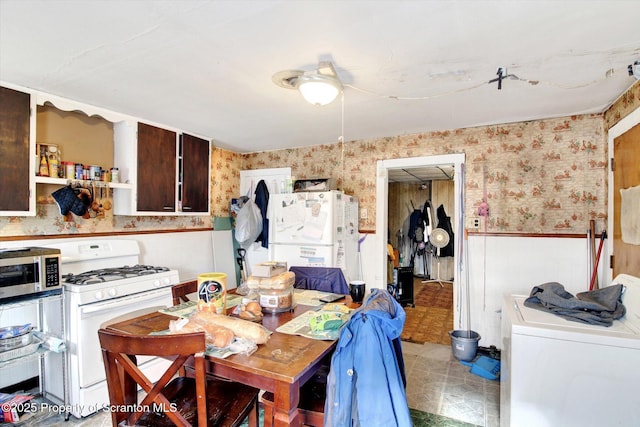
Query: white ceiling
x=422, y=174
x=407, y=66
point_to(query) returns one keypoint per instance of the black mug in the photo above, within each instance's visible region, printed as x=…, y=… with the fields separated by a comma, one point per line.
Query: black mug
x=357, y=289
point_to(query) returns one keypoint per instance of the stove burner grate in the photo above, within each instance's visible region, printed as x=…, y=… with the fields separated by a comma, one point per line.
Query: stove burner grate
x=109, y=274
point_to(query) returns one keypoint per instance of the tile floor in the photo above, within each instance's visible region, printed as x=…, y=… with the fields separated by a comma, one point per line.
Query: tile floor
x=52, y=419
x=436, y=383
x=439, y=384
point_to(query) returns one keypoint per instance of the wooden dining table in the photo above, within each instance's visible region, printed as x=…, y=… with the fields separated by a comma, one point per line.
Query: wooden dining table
x=280, y=366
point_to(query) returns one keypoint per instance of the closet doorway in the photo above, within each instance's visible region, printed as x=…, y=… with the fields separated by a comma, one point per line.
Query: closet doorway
x=405, y=186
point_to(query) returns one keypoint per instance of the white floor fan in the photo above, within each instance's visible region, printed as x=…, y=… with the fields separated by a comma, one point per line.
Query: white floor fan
x=439, y=238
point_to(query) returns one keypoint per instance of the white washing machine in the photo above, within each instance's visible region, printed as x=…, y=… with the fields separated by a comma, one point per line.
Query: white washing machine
x=556, y=372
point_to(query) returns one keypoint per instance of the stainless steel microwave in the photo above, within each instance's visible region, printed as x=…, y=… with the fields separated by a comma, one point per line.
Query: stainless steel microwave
x=31, y=271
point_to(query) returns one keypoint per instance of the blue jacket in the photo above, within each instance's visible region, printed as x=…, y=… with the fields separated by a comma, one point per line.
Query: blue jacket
x=365, y=384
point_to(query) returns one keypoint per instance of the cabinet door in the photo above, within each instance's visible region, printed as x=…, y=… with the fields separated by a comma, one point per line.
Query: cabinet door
x=156, y=169
x=195, y=174
x=14, y=150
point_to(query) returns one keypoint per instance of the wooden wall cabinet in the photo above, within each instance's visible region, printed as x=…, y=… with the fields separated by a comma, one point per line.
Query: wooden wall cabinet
x=156, y=178
x=194, y=174
x=171, y=171
x=17, y=143
x=19, y=126
x=162, y=171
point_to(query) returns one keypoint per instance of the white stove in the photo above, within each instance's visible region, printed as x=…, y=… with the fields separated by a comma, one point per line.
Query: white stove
x=102, y=281
x=108, y=283
x=106, y=269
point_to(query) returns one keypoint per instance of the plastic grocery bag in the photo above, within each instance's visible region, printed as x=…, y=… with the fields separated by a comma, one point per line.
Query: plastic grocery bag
x=248, y=223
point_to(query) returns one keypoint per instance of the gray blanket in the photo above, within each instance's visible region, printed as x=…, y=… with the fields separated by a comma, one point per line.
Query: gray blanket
x=599, y=307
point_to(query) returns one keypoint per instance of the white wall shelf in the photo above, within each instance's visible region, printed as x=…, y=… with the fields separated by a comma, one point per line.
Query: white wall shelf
x=65, y=181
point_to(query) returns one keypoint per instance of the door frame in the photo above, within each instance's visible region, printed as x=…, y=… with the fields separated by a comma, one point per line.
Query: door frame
x=382, y=212
x=631, y=120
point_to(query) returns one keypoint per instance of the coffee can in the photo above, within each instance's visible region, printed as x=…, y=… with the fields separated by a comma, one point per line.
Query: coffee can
x=212, y=292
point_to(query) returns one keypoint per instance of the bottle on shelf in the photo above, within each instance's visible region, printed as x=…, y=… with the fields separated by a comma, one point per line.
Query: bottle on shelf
x=44, y=165
x=70, y=170
x=54, y=161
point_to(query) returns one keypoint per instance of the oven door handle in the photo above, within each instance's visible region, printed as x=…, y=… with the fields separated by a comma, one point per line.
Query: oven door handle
x=123, y=302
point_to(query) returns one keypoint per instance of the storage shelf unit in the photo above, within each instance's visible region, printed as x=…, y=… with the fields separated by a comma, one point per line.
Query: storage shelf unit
x=50, y=322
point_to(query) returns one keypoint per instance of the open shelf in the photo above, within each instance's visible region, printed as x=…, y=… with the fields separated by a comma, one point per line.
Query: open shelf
x=65, y=181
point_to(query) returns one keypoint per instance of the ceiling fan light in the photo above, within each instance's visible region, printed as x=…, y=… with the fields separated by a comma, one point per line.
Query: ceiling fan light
x=318, y=89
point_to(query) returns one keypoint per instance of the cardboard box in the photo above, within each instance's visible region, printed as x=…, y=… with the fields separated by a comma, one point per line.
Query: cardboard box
x=269, y=268
x=318, y=184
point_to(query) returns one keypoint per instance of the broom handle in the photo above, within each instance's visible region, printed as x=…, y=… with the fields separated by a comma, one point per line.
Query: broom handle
x=594, y=275
x=594, y=262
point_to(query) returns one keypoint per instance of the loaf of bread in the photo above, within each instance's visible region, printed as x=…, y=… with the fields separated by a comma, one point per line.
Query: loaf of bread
x=240, y=328
x=249, y=315
x=254, y=307
x=253, y=282
x=216, y=335
x=279, y=281
x=251, y=311
x=222, y=336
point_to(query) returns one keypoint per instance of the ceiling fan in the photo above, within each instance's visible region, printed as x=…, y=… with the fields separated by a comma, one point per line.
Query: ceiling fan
x=319, y=87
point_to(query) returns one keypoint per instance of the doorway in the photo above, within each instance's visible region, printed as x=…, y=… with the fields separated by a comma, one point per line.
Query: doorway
x=623, y=147
x=417, y=166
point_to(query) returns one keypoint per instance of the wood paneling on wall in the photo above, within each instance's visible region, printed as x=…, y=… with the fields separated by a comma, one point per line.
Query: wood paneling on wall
x=443, y=194
x=401, y=196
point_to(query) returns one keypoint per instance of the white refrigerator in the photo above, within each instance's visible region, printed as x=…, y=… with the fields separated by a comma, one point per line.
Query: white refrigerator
x=315, y=229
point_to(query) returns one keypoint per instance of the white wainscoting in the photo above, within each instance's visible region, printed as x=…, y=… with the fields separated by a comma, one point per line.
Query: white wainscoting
x=500, y=265
x=189, y=252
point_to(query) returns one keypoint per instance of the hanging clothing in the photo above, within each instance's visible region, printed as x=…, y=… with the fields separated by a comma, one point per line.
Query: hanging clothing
x=262, y=200
x=415, y=223
x=365, y=386
x=426, y=216
x=444, y=222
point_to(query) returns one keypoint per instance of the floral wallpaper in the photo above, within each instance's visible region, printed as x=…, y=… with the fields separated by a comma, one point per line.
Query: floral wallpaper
x=543, y=176
x=48, y=220
x=225, y=180
x=628, y=102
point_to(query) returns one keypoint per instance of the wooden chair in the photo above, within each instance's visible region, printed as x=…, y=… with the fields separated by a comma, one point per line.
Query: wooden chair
x=172, y=400
x=181, y=290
